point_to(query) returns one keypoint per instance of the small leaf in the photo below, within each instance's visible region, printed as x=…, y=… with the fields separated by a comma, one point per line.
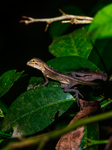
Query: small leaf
x=33, y=110
x=74, y=44
x=7, y=80
x=101, y=26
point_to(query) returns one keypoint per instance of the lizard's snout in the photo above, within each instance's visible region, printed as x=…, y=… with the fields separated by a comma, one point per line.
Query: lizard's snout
x=27, y=63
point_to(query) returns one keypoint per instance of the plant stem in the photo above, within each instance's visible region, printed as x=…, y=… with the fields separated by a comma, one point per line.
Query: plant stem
x=94, y=142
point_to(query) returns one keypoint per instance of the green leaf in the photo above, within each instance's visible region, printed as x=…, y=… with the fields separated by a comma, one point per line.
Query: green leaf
x=91, y=132
x=74, y=44
x=57, y=28
x=71, y=63
x=101, y=26
x=33, y=110
x=7, y=80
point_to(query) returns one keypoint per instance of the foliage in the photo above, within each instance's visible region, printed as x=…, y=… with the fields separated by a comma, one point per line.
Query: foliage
x=37, y=108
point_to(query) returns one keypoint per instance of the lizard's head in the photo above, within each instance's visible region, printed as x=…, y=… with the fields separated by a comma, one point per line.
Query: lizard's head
x=37, y=63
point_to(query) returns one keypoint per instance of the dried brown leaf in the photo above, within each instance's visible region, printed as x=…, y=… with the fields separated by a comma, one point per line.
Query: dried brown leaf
x=72, y=139
x=88, y=108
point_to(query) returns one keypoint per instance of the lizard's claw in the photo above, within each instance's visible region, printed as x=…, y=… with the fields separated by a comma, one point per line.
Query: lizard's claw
x=77, y=94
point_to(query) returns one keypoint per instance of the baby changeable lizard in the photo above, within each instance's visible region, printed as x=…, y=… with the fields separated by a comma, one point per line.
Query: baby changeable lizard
x=66, y=80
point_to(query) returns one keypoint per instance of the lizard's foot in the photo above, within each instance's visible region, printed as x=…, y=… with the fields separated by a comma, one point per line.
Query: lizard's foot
x=45, y=83
x=37, y=86
x=77, y=94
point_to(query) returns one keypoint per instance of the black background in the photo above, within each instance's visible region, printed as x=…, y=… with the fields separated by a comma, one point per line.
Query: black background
x=20, y=42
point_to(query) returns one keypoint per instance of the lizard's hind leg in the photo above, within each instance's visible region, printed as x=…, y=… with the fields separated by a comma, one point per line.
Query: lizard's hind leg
x=77, y=94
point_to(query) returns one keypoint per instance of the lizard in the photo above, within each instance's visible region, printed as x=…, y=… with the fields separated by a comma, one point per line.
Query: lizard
x=66, y=81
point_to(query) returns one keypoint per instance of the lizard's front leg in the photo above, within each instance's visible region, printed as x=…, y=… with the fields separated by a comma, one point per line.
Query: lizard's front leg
x=46, y=80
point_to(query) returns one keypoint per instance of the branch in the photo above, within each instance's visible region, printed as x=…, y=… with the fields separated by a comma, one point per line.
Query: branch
x=43, y=138
x=73, y=19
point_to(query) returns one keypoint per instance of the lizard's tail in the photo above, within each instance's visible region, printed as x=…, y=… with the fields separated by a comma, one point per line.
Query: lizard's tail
x=91, y=83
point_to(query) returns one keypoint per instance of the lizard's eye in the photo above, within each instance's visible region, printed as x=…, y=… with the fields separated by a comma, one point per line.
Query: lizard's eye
x=33, y=60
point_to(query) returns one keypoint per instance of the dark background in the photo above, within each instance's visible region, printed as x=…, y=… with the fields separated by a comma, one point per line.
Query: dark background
x=20, y=42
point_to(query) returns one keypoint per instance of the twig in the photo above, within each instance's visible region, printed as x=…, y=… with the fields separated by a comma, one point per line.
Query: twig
x=50, y=20
x=73, y=19
x=76, y=21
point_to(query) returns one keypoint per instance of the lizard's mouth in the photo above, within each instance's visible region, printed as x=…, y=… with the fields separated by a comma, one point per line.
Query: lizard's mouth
x=34, y=65
x=29, y=64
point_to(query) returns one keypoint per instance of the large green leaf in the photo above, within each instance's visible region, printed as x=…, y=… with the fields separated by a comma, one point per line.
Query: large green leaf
x=76, y=43
x=101, y=26
x=7, y=80
x=33, y=110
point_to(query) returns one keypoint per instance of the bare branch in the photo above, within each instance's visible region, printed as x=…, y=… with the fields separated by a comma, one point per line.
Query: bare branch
x=73, y=19
x=50, y=20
